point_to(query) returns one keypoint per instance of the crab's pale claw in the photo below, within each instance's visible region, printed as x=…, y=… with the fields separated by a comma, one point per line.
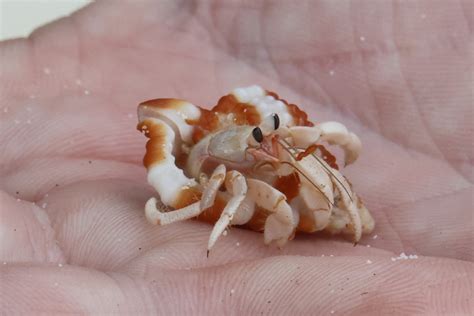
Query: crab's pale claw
x=303, y=136
x=337, y=134
x=281, y=222
x=157, y=217
x=212, y=187
x=332, y=132
x=236, y=185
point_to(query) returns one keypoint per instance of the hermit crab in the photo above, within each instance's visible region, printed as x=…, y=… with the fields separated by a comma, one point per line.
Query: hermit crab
x=253, y=160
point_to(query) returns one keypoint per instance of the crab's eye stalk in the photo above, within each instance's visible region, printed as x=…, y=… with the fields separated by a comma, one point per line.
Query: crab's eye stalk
x=276, y=121
x=257, y=134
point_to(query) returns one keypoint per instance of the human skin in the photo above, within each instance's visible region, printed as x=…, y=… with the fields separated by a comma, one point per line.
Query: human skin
x=74, y=235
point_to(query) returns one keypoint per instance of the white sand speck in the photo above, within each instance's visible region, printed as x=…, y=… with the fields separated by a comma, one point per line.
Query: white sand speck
x=423, y=16
x=403, y=256
x=17, y=121
x=44, y=205
x=78, y=81
x=232, y=291
x=369, y=261
x=375, y=236
x=224, y=233
x=331, y=72
x=60, y=265
x=237, y=244
x=87, y=92
x=56, y=284
x=28, y=121
x=46, y=71
x=368, y=246
x=362, y=39
x=5, y=109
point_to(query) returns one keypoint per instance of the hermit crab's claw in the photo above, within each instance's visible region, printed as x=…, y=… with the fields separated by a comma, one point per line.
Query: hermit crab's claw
x=332, y=132
x=281, y=221
x=336, y=133
x=237, y=187
x=212, y=186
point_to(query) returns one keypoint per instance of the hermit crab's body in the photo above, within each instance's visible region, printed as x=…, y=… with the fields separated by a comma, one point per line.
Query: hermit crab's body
x=253, y=160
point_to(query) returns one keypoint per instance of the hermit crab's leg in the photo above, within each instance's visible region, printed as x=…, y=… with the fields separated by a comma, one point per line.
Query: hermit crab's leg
x=340, y=219
x=237, y=187
x=157, y=217
x=348, y=199
x=282, y=221
x=212, y=187
x=331, y=132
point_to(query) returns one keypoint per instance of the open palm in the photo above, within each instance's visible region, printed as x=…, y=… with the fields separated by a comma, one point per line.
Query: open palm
x=74, y=236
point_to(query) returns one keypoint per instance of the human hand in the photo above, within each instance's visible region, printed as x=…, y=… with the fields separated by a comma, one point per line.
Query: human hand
x=76, y=241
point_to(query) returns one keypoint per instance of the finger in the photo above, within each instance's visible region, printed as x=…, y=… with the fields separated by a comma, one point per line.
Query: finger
x=102, y=225
x=27, y=235
x=281, y=285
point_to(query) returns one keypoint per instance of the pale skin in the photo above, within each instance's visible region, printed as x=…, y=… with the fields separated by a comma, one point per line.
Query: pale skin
x=398, y=75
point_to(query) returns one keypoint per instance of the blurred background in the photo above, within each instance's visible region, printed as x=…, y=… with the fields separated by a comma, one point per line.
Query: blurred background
x=18, y=18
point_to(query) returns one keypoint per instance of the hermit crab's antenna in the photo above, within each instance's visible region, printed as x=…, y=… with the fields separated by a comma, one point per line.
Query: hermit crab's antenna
x=288, y=148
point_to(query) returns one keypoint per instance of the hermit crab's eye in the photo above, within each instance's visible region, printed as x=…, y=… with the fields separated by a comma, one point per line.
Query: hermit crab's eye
x=276, y=121
x=257, y=134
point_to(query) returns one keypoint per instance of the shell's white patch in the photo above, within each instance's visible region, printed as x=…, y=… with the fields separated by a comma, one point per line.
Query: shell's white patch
x=266, y=104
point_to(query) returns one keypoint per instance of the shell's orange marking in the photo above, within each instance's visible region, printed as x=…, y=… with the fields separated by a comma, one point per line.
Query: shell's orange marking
x=257, y=222
x=288, y=185
x=187, y=196
x=154, y=147
x=212, y=214
x=209, y=215
x=300, y=116
x=212, y=120
x=164, y=103
x=244, y=114
x=306, y=223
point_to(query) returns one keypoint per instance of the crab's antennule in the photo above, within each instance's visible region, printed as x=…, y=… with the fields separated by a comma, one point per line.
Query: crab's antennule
x=333, y=175
x=310, y=181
